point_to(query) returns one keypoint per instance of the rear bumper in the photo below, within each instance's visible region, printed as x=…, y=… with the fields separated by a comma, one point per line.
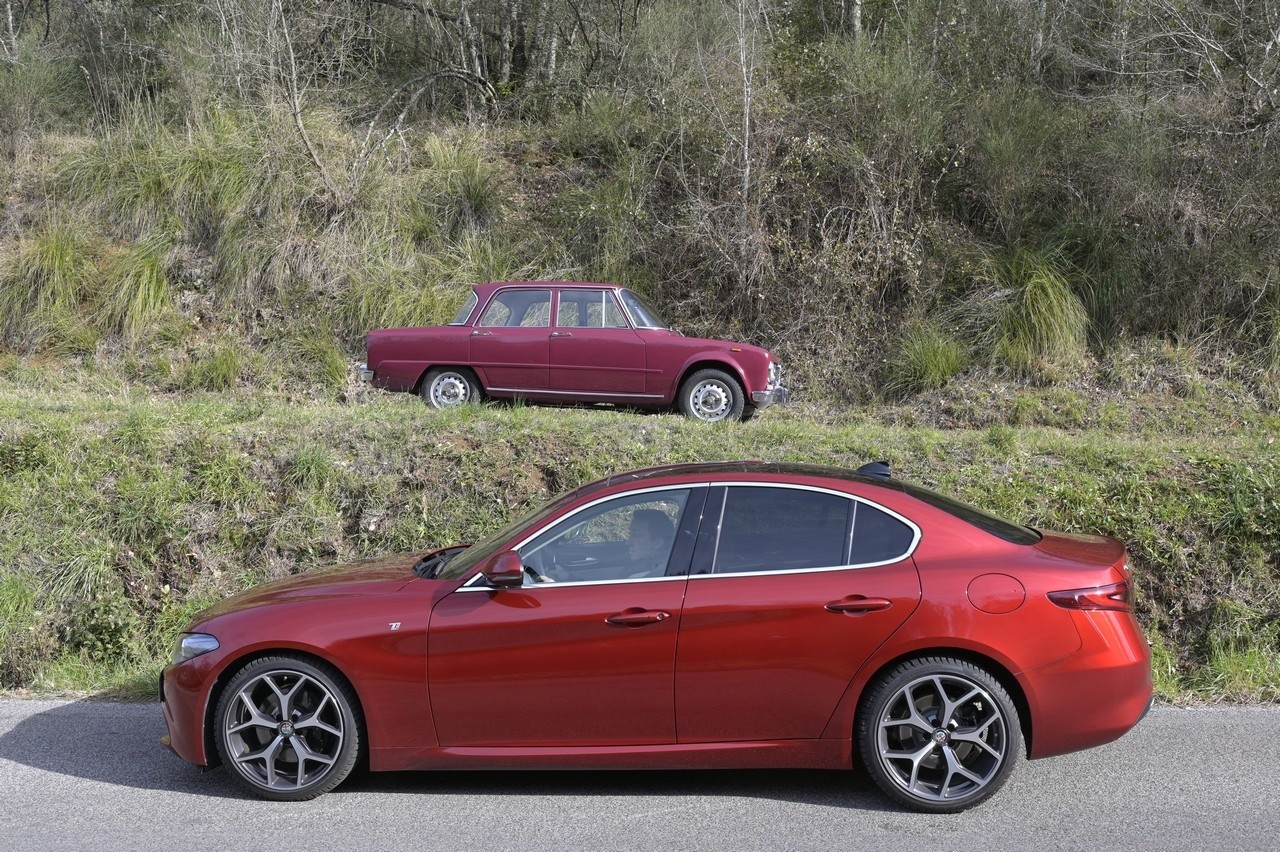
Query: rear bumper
x=766, y=398
x=364, y=373
x=1095, y=695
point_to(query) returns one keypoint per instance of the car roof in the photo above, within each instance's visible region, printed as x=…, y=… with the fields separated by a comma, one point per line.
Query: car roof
x=483, y=291
x=723, y=468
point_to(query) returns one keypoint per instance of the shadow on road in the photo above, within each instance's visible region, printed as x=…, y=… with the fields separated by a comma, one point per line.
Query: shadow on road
x=119, y=743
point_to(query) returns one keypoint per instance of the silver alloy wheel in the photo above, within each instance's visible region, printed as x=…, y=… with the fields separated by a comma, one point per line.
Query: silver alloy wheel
x=942, y=737
x=450, y=388
x=711, y=400
x=284, y=730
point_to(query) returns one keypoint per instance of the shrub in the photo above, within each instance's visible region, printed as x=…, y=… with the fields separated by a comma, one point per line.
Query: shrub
x=926, y=358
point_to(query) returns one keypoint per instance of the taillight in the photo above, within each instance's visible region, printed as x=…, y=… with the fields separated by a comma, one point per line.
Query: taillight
x=1117, y=596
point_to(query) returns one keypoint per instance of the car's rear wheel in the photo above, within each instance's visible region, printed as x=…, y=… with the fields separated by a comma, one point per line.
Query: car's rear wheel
x=450, y=386
x=712, y=395
x=938, y=734
x=288, y=729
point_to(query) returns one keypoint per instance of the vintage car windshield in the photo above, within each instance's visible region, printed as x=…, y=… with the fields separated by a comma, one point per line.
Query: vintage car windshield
x=642, y=316
x=476, y=553
x=465, y=311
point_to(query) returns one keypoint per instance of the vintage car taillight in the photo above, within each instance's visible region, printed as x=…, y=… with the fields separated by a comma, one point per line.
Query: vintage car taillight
x=1116, y=596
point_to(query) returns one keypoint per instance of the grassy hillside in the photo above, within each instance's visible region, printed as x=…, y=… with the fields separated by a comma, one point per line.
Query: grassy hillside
x=125, y=511
x=1029, y=252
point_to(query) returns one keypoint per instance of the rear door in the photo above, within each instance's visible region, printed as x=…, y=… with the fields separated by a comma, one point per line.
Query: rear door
x=509, y=340
x=593, y=350
x=791, y=590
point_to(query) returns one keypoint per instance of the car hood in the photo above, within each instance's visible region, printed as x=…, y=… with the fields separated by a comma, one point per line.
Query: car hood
x=381, y=576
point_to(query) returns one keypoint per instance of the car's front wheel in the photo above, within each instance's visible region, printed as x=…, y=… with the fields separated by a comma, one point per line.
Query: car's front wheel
x=938, y=734
x=287, y=728
x=449, y=387
x=712, y=395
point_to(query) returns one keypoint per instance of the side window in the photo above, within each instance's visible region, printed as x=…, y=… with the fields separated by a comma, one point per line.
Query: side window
x=878, y=536
x=628, y=538
x=781, y=529
x=589, y=309
x=518, y=308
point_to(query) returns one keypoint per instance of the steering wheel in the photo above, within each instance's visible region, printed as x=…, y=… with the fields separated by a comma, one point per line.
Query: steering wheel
x=538, y=569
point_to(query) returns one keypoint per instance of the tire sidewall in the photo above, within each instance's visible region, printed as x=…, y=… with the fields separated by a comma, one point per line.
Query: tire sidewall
x=886, y=687
x=737, y=402
x=474, y=392
x=348, y=753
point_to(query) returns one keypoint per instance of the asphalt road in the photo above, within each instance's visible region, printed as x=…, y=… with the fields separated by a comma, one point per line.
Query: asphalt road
x=92, y=775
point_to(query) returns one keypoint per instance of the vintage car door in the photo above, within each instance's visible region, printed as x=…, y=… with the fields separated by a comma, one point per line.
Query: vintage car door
x=593, y=350
x=777, y=619
x=583, y=659
x=509, y=340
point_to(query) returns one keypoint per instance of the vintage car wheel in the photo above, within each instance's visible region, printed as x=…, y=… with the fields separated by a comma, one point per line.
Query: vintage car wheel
x=288, y=729
x=712, y=395
x=938, y=734
x=451, y=386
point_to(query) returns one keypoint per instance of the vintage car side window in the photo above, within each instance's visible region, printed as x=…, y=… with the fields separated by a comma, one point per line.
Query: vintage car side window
x=589, y=309
x=628, y=538
x=878, y=536
x=518, y=308
x=781, y=529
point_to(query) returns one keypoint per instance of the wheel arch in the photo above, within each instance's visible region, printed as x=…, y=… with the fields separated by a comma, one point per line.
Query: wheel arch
x=993, y=666
x=233, y=666
x=709, y=362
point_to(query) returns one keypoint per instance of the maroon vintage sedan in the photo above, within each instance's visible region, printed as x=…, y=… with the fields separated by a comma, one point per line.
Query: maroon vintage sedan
x=557, y=341
x=735, y=614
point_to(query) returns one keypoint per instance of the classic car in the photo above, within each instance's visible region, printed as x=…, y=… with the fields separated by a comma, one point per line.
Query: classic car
x=734, y=614
x=556, y=341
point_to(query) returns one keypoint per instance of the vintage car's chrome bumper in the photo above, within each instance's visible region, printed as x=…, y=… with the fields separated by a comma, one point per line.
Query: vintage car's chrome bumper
x=766, y=398
x=365, y=374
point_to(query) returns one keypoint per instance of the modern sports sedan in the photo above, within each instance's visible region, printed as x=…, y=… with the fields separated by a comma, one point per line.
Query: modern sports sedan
x=735, y=614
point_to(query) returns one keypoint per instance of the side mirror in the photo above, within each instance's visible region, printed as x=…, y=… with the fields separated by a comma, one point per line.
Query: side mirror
x=504, y=570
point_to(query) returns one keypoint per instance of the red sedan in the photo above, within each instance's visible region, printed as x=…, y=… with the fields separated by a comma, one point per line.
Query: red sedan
x=737, y=614
x=559, y=341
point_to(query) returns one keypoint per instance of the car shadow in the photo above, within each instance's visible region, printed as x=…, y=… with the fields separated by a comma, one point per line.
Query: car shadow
x=119, y=743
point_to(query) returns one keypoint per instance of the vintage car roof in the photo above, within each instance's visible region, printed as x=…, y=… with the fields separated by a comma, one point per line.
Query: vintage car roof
x=484, y=290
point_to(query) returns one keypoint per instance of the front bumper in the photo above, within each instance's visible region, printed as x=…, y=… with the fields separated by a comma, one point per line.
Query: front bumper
x=766, y=398
x=364, y=373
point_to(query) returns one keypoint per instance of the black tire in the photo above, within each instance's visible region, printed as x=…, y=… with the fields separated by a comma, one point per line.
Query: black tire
x=711, y=396
x=448, y=387
x=288, y=728
x=975, y=748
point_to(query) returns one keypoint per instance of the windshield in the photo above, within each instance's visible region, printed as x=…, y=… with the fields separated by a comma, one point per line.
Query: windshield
x=465, y=311
x=468, y=559
x=642, y=316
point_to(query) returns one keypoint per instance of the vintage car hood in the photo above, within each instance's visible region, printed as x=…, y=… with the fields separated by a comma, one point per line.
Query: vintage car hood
x=381, y=576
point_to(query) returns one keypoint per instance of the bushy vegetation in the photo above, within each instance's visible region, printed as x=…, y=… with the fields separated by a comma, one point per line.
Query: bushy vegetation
x=984, y=216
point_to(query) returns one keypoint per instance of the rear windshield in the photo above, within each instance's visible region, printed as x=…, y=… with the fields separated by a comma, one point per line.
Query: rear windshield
x=999, y=527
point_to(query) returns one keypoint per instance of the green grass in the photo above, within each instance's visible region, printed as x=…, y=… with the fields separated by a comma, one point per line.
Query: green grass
x=107, y=552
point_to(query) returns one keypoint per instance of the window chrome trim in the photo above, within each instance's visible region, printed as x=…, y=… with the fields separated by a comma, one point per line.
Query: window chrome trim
x=910, y=551
x=474, y=584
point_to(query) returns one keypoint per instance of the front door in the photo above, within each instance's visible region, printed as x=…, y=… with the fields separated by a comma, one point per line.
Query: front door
x=584, y=653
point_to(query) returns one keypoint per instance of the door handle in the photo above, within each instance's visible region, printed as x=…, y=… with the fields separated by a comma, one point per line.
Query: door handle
x=638, y=617
x=857, y=604
x=562, y=334
x=482, y=334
